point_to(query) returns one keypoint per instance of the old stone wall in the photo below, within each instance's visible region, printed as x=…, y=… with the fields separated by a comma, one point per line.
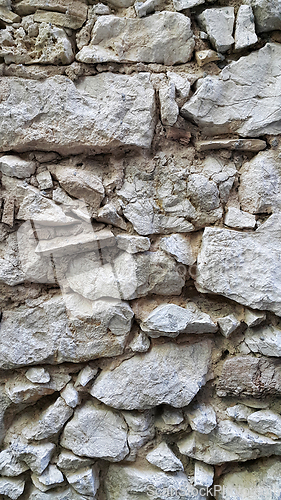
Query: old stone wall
x=140, y=243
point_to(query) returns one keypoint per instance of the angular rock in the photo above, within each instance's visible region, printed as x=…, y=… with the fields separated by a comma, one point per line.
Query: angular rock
x=163, y=457
x=144, y=8
x=56, y=331
x=145, y=380
x=254, y=145
x=73, y=109
x=50, y=478
x=260, y=183
x=265, y=422
x=109, y=215
x=228, y=325
x=254, y=318
x=132, y=244
x=7, y=15
x=163, y=38
x=11, y=487
x=96, y=432
x=244, y=267
x=169, y=109
x=202, y=418
x=186, y=4
x=140, y=342
x=8, y=211
x=238, y=219
x=141, y=430
x=203, y=474
x=242, y=99
x=42, y=211
x=70, y=395
x=170, y=320
x=9, y=464
x=38, y=375
x=206, y=56
x=20, y=390
x=14, y=166
x=247, y=376
x=181, y=82
x=132, y=483
x=229, y=442
x=239, y=412
x=245, y=34
x=85, y=376
x=75, y=12
x=267, y=14
x=49, y=45
x=149, y=272
x=36, y=456
x=265, y=340
x=50, y=421
x=180, y=247
x=67, y=461
x=44, y=180
x=84, y=481
x=58, y=494
x=219, y=23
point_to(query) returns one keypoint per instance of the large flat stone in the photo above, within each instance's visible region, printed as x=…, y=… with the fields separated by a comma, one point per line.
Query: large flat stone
x=241, y=266
x=169, y=373
x=114, y=109
x=164, y=38
x=244, y=98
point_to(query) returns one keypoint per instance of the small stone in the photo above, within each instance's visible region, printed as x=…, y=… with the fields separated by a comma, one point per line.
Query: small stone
x=44, y=180
x=20, y=390
x=8, y=16
x=202, y=418
x=254, y=318
x=239, y=412
x=206, y=56
x=68, y=461
x=43, y=211
x=238, y=219
x=203, y=475
x=59, y=19
x=168, y=107
x=141, y=430
x=228, y=325
x=14, y=166
x=254, y=145
x=264, y=340
x=186, y=4
x=267, y=15
x=140, y=342
x=109, y=215
x=163, y=457
x=132, y=244
x=219, y=23
x=38, y=375
x=245, y=34
x=180, y=247
x=11, y=487
x=9, y=464
x=50, y=478
x=70, y=395
x=36, y=456
x=50, y=421
x=265, y=422
x=85, y=376
x=172, y=416
x=85, y=481
x=144, y=8
x=8, y=211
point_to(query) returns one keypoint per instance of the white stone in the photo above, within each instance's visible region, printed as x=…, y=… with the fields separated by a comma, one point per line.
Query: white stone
x=50, y=478
x=238, y=219
x=206, y=56
x=239, y=412
x=132, y=244
x=254, y=318
x=105, y=434
x=218, y=23
x=70, y=395
x=44, y=180
x=50, y=421
x=11, y=487
x=163, y=457
x=132, y=483
x=84, y=481
x=141, y=430
x=70, y=462
x=264, y=340
x=144, y=8
x=164, y=38
x=267, y=14
x=109, y=215
x=9, y=464
x=43, y=211
x=180, y=247
x=228, y=325
x=169, y=109
x=140, y=342
x=36, y=456
x=85, y=376
x=203, y=474
x=245, y=34
x=156, y=377
x=244, y=267
x=223, y=104
x=14, y=166
x=119, y=98
x=170, y=320
x=186, y=4
x=58, y=494
x=202, y=418
x=38, y=375
x=181, y=83
x=76, y=10
x=260, y=183
x=265, y=422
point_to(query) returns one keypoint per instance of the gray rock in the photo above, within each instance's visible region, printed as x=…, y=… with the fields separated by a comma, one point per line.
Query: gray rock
x=159, y=376
x=70, y=395
x=223, y=104
x=58, y=330
x=254, y=318
x=248, y=376
x=141, y=430
x=76, y=10
x=186, y=4
x=144, y=8
x=11, y=487
x=260, y=184
x=163, y=457
x=265, y=340
x=239, y=412
x=57, y=494
x=14, y=166
x=42, y=211
x=50, y=421
x=164, y=38
x=133, y=483
x=68, y=461
x=38, y=375
x=84, y=481
x=228, y=325
x=203, y=474
x=247, y=270
x=169, y=109
x=238, y=219
x=105, y=434
x=219, y=23
x=265, y=422
x=10, y=465
x=44, y=180
x=170, y=320
x=20, y=390
x=109, y=215
x=86, y=375
x=232, y=144
x=140, y=342
x=181, y=82
x=245, y=34
x=267, y=14
x=50, y=478
x=36, y=456
x=180, y=247
x=115, y=125
x=132, y=244
x=202, y=418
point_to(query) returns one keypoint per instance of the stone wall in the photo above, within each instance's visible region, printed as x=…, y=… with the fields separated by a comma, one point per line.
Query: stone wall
x=140, y=241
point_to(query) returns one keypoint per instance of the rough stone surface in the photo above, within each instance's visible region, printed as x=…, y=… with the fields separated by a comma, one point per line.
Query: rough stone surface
x=228, y=325
x=219, y=23
x=14, y=166
x=150, y=382
x=238, y=219
x=265, y=422
x=267, y=14
x=202, y=418
x=245, y=34
x=163, y=457
x=264, y=340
